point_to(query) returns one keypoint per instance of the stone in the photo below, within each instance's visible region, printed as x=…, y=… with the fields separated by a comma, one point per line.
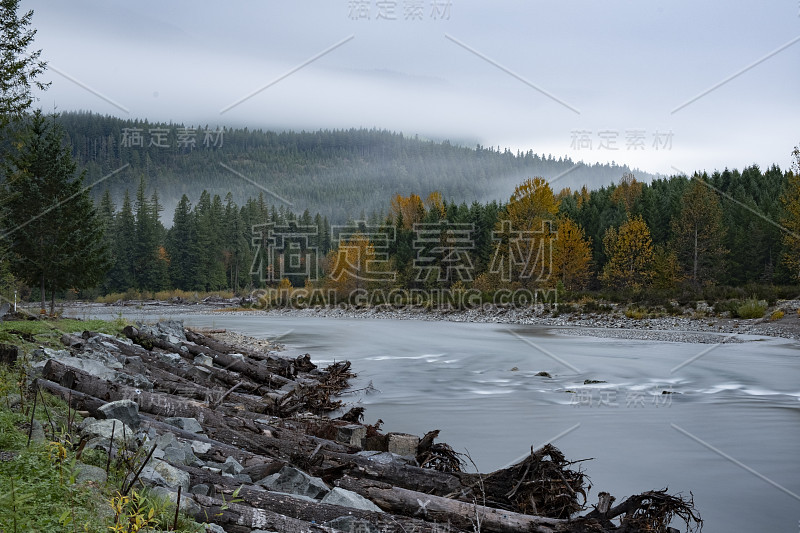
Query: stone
x=187, y=424
x=214, y=528
x=13, y=400
x=175, y=456
x=201, y=489
x=231, y=466
x=403, y=444
x=101, y=429
x=161, y=474
x=352, y=435
x=37, y=433
x=205, y=360
x=187, y=503
x=293, y=481
x=170, y=358
x=351, y=523
x=137, y=381
x=200, y=447
x=125, y=410
x=347, y=498
x=89, y=473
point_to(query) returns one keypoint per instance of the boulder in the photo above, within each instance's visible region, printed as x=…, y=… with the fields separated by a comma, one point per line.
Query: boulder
x=403, y=444
x=125, y=410
x=293, y=481
x=161, y=474
x=352, y=434
x=187, y=503
x=186, y=424
x=204, y=360
x=92, y=429
x=89, y=473
x=231, y=466
x=347, y=498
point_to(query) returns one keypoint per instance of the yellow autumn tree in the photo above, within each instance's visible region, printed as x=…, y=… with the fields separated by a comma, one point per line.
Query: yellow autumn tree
x=354, y=265
x=409, y=209
x=627, y=192
x=524, y=239
x=572, y=255
x=435, y=202
x=791, y=218
x=630, y=255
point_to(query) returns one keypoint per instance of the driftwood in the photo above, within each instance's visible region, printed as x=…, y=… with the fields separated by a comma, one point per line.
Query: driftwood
x=269, y=412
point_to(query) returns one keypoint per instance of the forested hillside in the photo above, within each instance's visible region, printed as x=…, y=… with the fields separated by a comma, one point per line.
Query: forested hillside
x=339, y=173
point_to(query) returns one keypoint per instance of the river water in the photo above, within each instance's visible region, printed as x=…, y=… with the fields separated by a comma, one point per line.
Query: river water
x=729, y=432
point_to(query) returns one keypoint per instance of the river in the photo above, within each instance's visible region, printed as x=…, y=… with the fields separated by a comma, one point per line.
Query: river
x=729, y=432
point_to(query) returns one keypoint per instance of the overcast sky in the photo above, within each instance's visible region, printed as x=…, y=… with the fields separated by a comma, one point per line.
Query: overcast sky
x=564, y=77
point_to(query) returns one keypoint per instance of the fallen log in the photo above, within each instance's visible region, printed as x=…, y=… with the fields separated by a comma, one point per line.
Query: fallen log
x=462, y=515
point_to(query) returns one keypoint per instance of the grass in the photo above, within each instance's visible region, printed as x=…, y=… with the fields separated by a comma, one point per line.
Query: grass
x=752, y=308
x=28, y=334
x=39, y=492
x=189, y=296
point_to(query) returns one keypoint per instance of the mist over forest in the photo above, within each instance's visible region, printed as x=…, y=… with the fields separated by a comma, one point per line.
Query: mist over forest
x=340, y=174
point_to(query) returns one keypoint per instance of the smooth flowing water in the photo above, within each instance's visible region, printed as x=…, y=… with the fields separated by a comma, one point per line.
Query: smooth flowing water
x=729, y=432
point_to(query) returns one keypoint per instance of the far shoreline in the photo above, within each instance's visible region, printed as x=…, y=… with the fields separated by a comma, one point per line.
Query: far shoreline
x=681, y=328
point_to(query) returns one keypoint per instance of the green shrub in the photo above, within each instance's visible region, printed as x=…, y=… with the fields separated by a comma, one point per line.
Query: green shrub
x=776, y=315
x=752, y=308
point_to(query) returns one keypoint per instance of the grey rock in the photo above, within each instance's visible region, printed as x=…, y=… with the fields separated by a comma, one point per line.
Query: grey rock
x=243, y=478
x=351, y=523
x=13, y=400
x=212, y=469
x=385, y=458
x=231, y=466
x=214, y=528
x=187, y=504
x=347, y=498
x=352, y=435
x=37, y=433
x=186, y=424
x=200, y=447
x=175, y=456
x=205, y=360
x=293, y=481
x=101, y=429
x=137, y=381
x=170, y=358
x=163, y=474
x=201, y=489
x=85, y=473
x=403, y=444
x=125, y=410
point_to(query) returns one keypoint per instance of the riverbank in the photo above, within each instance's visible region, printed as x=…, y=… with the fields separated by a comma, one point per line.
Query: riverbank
x=246, y=440
x=693, y=325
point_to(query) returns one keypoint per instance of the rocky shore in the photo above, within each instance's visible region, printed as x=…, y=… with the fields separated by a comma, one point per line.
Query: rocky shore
x=248, y=441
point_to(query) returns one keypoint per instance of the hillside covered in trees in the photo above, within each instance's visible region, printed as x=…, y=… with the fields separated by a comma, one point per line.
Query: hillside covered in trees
x=676, y=235
x=337, y=173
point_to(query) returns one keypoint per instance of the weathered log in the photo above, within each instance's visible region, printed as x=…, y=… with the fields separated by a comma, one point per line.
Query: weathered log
x=232, y=515
x=462, y=515
x=259, y=371
x=218, y=451
x=395, y=473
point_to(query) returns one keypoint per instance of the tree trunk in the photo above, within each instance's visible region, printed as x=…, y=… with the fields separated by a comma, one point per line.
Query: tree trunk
x=462, y=515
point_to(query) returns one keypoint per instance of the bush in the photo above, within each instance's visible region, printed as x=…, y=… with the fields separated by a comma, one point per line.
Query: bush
x=776, y=315
x=752, y=308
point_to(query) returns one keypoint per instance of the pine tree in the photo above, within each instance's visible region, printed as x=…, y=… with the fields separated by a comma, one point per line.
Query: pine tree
x=791, y=219
x=572, y=255
x=19, y=69
x=181, y=246
x=122, y=276
x=698, y=233
x=630, y=255
x=54, y=234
